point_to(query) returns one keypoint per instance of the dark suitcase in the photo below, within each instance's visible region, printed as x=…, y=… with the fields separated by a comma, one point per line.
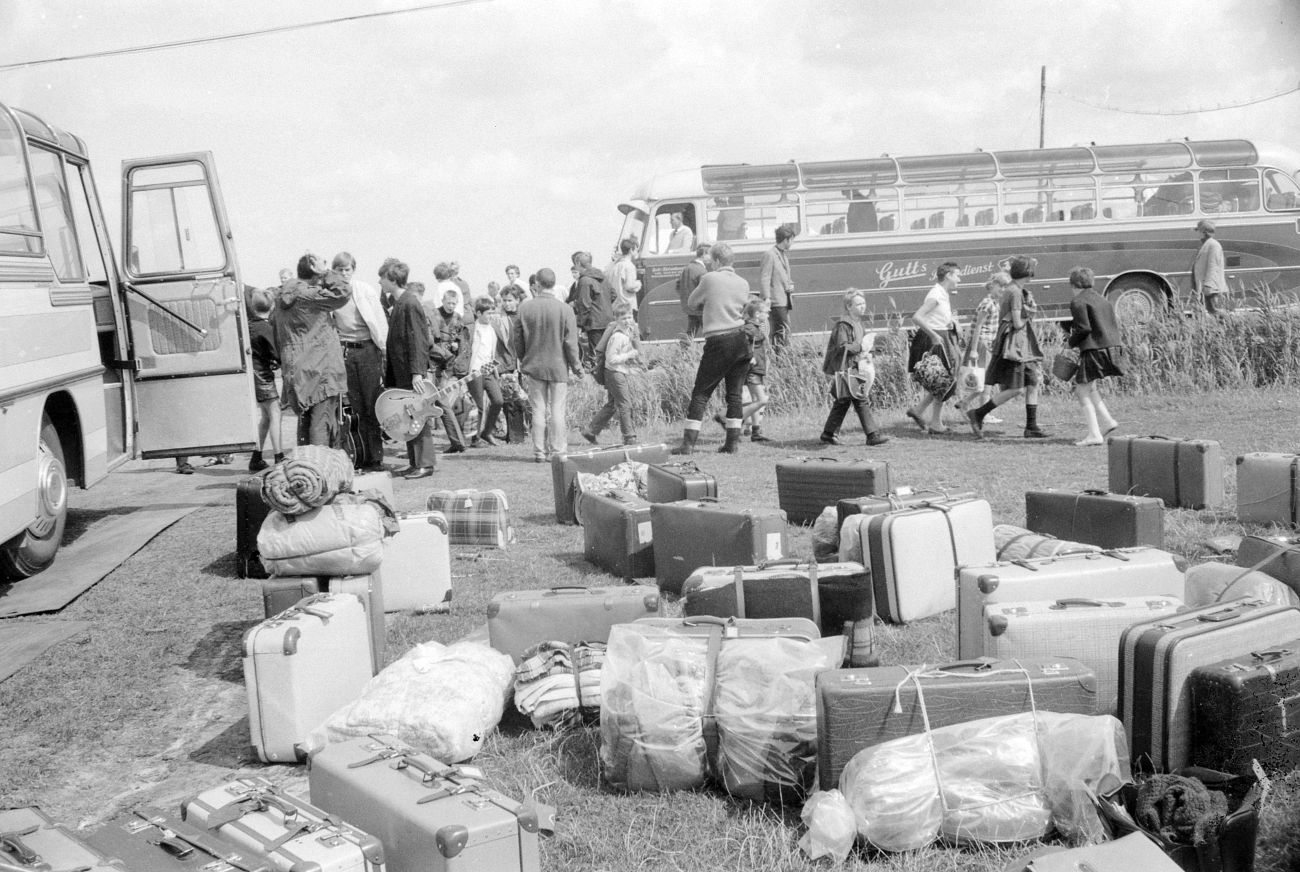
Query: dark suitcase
x=878, y=504
x=1278, y=556
x=1247, y=708
x=250, y=511
x=691, y=534
x=279, y=594
x=1268, y=488
x=565, y=468
x=30, y=840
x=806, y=485
x=519, y=619
x=858, y=708
x=828, y=594
x=1097, y=518
x=682, y=480
x=149, y=839
x=1185, y=473
x=1156, y=662
x=617, y=534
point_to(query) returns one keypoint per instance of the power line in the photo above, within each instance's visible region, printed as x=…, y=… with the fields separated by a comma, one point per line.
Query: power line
x=181, y=43
x=1130, y=111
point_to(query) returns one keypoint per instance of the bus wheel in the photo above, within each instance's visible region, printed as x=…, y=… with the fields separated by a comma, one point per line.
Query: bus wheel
x=1136, y=299
x=33, y=549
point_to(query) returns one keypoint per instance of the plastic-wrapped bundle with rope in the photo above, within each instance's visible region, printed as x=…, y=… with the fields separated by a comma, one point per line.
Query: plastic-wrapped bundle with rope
x=307, y=479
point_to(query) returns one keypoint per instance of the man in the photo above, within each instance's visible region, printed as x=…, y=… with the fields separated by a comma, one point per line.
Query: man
x=444, y=353
x=686, y=284
x=775, y=286
x=466, y=296
x=310, y=357
x=386, y=296
x=512, y=281
x=546, y=342
x=443, y=275
x=408, y=359
x=682, y=237
x=363, y=335
x=592, y=308
x=620, y=278
x=1207, y=271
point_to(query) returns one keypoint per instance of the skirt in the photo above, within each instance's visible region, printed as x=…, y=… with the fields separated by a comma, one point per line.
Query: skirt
x=1096, y=364
x=1013, y=375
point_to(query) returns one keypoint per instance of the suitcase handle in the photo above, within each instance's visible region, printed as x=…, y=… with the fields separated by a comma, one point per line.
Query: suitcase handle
x=428, y=772
x=1093, y=492
x=1271, y=654
x=977, y=664
x=1081, y=601
x=567, y=588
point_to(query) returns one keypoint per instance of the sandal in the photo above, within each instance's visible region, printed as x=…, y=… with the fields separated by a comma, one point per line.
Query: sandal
x=917, y=418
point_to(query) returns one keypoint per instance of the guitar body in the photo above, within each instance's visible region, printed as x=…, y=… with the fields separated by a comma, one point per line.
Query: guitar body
x=402, y=413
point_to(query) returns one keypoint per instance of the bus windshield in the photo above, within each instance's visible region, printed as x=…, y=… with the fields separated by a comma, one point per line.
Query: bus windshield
x=634, y=224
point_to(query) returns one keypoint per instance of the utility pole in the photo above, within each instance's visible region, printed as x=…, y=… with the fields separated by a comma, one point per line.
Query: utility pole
x=1042, y=107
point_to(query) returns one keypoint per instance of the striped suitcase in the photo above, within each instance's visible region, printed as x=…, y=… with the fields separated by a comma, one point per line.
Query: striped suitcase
x=1086, y=630
x=474, y=517
x=1097, y=518
x=1156, y=662
x=519, y=619
x=565, y=469
x=806, y=485
x=1268, y=488
x=1247, y=708
x=689, y=534
x=149, y=839
x=681, y=480
x=903, y=498
x=31, y=840
x=1101, y=575
x=1185, y=473
x=417, y=564
x=617, y=534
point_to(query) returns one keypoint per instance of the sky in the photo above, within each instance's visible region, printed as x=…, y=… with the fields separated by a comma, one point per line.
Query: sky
x=507, y=131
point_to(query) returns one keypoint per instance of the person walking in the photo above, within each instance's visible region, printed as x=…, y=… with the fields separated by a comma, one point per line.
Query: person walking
x=363, y=335
x=620, y=276
x=491, y=355
x=1016, y=363
x=592, y=308
x=312, y=362
x=755, y=315
x=620, y=346
x=546, y=342
x=776, y=286
x=936, y=334
x=980, y=347
x=1094, y=332
x=844, y=354
x=1207, y=270
x=266, y=359
x=409, y=361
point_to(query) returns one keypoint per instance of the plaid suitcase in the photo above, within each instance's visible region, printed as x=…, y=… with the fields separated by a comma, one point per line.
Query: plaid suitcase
x=617, y=534
x=565, y=468
x=518, y=620
x=149, y=839
x=1185, y=473
x=682, y=480
x=878, y=504
x=250, y=511
x=1097, y=518
x=858, y=708
x=29, y=839
x=474, y=517
x=1247, y=708
x=690, y=534
x=1156, y=661
x=806, y=485
x=1268, y=488
x=1278, y=556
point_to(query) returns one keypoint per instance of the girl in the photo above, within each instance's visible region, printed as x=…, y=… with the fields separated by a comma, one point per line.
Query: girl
x=1016, y=362
x=1094, y=332
x=621, y=345
x=843, y=351
x=756, y=313
x=937, y=332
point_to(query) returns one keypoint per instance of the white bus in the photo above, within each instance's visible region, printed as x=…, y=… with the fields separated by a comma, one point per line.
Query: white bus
x=102, y=362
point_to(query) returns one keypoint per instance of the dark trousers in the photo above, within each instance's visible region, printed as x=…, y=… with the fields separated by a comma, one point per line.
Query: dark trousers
x=490, y=385
x=840, y=408
x=779, y=321
x=450, y=424
x=726, y=359
x=365, y=367
x=421, y=451
x=618, y=402
x=319, y=424
x=589, y=352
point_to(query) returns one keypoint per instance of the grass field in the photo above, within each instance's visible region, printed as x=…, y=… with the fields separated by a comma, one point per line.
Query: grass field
x=150, y=707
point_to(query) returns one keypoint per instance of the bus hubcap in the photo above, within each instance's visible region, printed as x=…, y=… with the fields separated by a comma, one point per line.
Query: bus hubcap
x=1134, y=306
x=51, y=494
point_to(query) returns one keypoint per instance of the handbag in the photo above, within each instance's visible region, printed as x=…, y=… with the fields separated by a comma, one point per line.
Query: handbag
x=932, y=374
x=1016, y=346
x=847, y=384
x=1066, y=365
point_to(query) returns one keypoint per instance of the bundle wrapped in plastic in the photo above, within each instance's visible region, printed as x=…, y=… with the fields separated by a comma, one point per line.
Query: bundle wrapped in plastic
x=1017, y=543
x=310, y=477
x=342, y=538
x=826, y=535
x=1209, y=583
x=831, y=826
x=439, y=699
x=628, y=476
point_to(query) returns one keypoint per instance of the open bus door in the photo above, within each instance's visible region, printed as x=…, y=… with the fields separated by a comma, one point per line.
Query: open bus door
x=185, y=310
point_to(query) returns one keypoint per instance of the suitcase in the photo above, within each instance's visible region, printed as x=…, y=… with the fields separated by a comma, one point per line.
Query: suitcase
x=1097, y=518
x=149, y=839
x=1086, y=630
x=858, y=708
x=518, y=620
x=1157, y=658
x=1131, y=852
x=565, y=468
x=806, y=485
x=430, y=817
x=913, y=554
x=828, y=594
x=1185, y=473
x=417, y=564
x=29, y=839
x=617, y=534
x=1268, y=488
x=279, y=594
x=681, y=480
x=1017, y=543
x=250, y=511
x=690, y=534
x=474, y=517
x=370, y=590
x=379, y=481
x=878, y=504
x=252, y=814
x=299, y=667
x=1247, y=708
x=1101, y=575
x=1278, y=556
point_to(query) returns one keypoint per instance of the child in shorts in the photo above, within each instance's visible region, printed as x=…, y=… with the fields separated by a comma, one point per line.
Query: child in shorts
x=266, y=360
x=755, y=327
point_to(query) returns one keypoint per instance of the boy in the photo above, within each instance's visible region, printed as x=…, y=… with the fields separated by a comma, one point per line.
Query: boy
x=265, y=361
x=756, y=314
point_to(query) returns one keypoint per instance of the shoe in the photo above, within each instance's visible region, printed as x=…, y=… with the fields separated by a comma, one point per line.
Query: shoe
x=993, y=419
x=539, y=458
x=474, y=441
x=487, y=439
x=589, y=436
x=257, y=463
x=373, y=467
x=746, y=430
x=1035, y=433
x=917, y=418
x=689, y=438
x=830, y=439
x=455, y=449
x=940, y=431
x=1085, y=442
x=184, y=469
x=874, y=439
x=630, y=440
x=732, y=445
x=404, y=472
x=419, y=472
x=976, y=423
x=756, y=435
x=1109, y=430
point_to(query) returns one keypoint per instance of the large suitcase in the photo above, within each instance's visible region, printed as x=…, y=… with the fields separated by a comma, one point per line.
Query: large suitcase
x=1268, y=488
x=1156, y=662
x=806, y=485
x=250, y=511
x=565, y=468
x=858, y=708
x=679, y=480
x=1278, y=556
x=417, y=564
x=279, y=594
x=474, y=517
x=828, y=594
x=519, y=619
x=690, y=534
x=299, y=667
x=1101, y=575
x=1086, y=630
x=1185, y=473
x=1247, y=708
x=617, y=534
x=1097, y=518
x=430, y=817
x=31, y=840
x=150, y=839
x=252, y=814
x=878, y=504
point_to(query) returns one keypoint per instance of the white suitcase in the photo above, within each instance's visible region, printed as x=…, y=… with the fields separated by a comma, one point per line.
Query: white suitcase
x=299, y=667
x=370, y=590
x=417, y=564
x=252, y=814
x=380, y=481
x=1087, y=630
x=1104, y=575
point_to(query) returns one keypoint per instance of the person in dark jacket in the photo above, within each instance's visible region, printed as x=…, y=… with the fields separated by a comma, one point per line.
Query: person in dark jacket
x=687, y=282
x=310, y=357
x=450, y=359
x=592, y=307
x=546, y=345
x=408, y=359
x=844, y=352
x=1094, y=332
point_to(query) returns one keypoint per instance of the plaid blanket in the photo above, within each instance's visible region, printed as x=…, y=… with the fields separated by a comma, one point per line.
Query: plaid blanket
x=474, y=517
x=308, y=479
x=556, y=681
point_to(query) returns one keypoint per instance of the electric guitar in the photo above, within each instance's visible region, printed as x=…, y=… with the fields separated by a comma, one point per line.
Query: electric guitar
x=402, y=414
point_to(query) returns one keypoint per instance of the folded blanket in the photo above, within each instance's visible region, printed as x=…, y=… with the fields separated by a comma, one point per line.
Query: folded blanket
x=307, y=479
x=555, y=681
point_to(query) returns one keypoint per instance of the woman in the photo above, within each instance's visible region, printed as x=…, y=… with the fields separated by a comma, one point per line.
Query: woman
x=844, y=352
x=1016, y=363
x=1094, y=332
x=936, y=331
x=490, y=354
x=621, y=345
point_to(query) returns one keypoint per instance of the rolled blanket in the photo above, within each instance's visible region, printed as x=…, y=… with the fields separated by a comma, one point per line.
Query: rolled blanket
x=1180, y=809
x=307, y=479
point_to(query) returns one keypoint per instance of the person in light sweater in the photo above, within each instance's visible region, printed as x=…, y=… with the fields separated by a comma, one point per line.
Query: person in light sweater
x=621, y=347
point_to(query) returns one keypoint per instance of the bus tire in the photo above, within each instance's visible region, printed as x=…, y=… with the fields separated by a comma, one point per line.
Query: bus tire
x=1136, y=299
x=33, y=549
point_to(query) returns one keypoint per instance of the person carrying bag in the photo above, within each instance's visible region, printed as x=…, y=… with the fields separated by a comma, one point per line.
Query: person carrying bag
x=850, y=372
x=1016, y=363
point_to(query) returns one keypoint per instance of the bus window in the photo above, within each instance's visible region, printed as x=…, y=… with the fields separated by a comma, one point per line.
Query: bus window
x=1229, y=190
x=96, y=272
x=954, y=204
x=851, y=211
x=1050, y=199
x=1280, y=191
x=172, y=223
x=18, y=231
x=56, y=215
x=661, y=231
x=750, y=216
x=1142, y=195
x=634, y=221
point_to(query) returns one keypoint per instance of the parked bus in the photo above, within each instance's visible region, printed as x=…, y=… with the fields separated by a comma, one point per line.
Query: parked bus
x=101, y=362
x=884, y=224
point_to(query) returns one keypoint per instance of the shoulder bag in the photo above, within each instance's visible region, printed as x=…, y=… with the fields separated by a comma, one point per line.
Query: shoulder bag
x=847, y=384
